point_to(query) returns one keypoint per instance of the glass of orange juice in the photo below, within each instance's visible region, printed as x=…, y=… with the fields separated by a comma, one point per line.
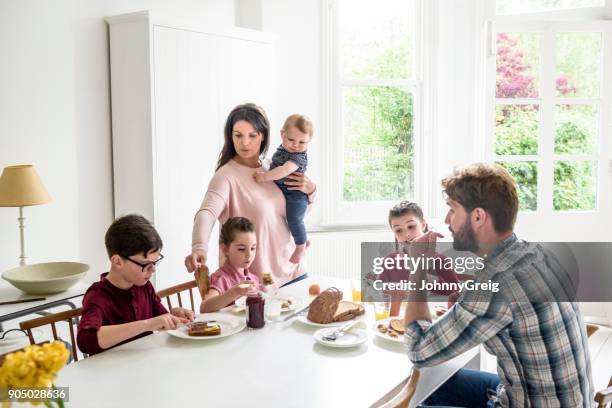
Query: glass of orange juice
x=356, y=290
x=382, y=306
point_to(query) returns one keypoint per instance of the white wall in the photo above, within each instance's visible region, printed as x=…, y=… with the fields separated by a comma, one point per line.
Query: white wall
x=296, y=24
x=55, y=114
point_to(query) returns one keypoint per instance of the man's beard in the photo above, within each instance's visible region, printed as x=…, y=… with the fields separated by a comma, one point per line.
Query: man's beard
x=465, y=239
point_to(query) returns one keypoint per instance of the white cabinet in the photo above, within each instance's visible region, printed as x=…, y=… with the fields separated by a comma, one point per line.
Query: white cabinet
x=172, y=86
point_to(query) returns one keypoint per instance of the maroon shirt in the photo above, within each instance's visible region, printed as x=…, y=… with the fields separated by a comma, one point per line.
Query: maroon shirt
x=105, y=304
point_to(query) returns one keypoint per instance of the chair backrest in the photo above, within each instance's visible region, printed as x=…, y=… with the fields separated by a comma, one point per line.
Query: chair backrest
x=70, y=316
x=176, y=290
x=604, y=398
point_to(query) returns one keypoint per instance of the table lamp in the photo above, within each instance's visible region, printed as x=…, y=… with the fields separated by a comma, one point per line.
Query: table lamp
x=20, y=186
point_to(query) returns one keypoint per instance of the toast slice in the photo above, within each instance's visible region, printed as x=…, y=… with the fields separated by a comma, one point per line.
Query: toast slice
x=199, y=329
x=202, y=279
x=347, y=310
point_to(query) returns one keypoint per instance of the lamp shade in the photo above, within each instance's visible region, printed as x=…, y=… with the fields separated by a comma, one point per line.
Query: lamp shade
x=21, y=186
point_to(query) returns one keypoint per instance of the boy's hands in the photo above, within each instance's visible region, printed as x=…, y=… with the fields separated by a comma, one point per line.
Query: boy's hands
x=165, y=322
x=183, y=313
x=259, y=176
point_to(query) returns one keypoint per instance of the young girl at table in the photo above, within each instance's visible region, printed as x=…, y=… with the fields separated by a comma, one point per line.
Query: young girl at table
x=407, y=222
x=233, y=279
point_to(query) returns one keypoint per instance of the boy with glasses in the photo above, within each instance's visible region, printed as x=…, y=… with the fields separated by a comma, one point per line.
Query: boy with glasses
x=123, y=305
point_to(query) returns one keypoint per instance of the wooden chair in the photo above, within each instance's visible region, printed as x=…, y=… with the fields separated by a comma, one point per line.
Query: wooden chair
x=70, y=316
x=403, y=397
x=604, y=398
x=176, y=290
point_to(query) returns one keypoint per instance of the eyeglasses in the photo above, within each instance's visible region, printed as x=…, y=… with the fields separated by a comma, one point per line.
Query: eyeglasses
x=146, y=267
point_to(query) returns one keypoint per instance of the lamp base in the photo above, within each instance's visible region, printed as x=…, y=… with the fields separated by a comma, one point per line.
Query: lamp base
x=21, y=219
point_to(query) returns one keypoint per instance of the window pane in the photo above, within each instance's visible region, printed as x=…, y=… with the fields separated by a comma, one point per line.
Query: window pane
x=578, y=64
x=516, y=129
x=526, y=176
x=518, y=65
x=378, y=143
x=376, y=39
x=575, y=129
x=532, y=6
x=575, y=185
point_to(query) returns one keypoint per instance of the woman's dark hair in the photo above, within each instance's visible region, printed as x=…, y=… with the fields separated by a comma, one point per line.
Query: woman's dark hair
x=256, y=117
x=232, y=226
x=131, y=235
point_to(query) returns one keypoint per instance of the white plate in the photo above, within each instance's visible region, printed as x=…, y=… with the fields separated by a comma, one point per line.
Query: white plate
x=352, y=338
x=398, y=339
x=229, y=325
x=303, y=318
x=296, y=303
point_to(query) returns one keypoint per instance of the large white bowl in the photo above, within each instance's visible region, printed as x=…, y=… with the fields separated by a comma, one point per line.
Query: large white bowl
x=43, y=278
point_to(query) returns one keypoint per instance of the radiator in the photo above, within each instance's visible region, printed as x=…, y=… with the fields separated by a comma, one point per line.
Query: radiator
x=338, y=254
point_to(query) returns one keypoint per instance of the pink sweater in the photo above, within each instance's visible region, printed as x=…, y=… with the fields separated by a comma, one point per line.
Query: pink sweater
x=233, y=192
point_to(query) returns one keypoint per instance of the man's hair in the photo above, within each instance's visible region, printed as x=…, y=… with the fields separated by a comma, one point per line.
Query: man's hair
x=486, y=186
x=300, y=122
x=131, y=235
x=232, y=226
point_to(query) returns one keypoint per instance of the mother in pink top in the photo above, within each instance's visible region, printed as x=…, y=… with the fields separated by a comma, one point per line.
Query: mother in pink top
x=233, y=192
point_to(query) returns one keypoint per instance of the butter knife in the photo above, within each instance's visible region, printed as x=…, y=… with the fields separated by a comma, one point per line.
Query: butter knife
x=16, y=301
x=297, y=312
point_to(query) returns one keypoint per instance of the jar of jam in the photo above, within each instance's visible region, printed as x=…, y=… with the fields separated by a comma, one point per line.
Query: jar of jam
x=255, y=311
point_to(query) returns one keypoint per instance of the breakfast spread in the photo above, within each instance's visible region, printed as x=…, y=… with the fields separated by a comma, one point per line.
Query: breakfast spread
x=203, y=329
x=397, y=325
x=329, y=307
x=393, y=329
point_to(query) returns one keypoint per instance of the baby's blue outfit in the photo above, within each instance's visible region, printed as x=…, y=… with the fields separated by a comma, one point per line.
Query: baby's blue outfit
x=296, y=201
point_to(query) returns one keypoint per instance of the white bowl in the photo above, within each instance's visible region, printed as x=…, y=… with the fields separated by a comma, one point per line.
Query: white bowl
x=43, y=278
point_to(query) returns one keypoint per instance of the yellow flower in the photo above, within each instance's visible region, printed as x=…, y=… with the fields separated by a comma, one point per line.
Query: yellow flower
x=34, y=367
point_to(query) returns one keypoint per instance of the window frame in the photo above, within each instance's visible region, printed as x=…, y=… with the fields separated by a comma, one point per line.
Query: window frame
x=339, y=213
x=577, y=13
x=548, y=102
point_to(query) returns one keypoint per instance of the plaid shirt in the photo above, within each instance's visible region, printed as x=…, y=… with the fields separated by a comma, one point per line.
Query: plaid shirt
x=541, y=347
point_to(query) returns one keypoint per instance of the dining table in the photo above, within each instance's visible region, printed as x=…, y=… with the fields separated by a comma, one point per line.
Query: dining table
x=279, y=365
x=17, y=303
